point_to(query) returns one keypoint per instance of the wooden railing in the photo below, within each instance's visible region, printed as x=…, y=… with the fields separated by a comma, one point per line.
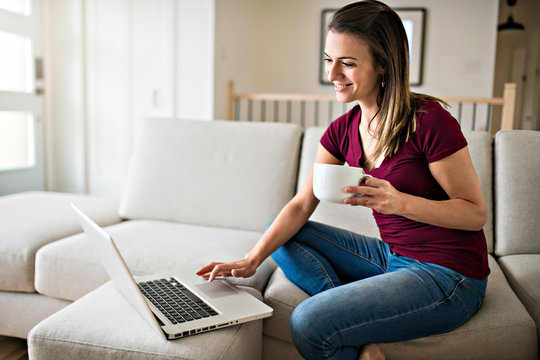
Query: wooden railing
x=319, y=110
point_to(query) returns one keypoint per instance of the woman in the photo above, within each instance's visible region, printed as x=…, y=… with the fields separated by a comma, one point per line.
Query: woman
x=429, y=273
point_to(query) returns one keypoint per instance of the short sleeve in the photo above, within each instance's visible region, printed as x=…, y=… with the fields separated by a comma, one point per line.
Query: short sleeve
x=332, y=139
x=337, y=137
x=439, y=133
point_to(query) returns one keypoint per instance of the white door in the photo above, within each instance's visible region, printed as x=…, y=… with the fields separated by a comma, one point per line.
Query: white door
x=21, y=128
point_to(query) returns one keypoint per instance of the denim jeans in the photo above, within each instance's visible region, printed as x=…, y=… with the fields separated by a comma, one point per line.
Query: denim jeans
x=363, y=293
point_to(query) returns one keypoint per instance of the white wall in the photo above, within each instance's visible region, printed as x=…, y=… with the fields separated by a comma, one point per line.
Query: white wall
x=109, y=64
x=273, y=46
x=64, y=125
x=195, y=59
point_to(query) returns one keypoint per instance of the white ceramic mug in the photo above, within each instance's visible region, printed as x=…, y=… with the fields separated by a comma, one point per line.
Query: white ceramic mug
x=330, y=181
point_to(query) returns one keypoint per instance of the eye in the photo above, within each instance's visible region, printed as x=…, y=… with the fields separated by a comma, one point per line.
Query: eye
x=327, y=60
x=346, y=64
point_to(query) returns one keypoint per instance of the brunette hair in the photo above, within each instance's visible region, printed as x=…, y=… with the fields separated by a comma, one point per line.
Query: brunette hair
x=381, y=29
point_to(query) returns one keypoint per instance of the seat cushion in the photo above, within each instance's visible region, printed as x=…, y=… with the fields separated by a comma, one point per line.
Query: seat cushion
x=517, y=199
x=33, y=219
x=523, y=274
x=69, y=268
x=217, y=173
x=502, y=328
x=17, y=320
x=103, y=325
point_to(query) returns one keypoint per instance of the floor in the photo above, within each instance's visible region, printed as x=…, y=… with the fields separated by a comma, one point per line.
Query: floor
x=13, y=349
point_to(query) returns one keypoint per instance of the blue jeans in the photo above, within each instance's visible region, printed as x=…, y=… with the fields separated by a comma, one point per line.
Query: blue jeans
x=362, y=293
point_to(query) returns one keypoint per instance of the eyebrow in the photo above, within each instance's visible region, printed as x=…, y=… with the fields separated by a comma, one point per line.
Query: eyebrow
x=342, y=57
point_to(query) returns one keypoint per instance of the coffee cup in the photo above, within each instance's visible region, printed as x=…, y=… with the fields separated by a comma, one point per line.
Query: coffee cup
x=330, y=181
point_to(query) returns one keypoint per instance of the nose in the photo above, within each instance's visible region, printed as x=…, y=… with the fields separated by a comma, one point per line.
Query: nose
x=332, y=71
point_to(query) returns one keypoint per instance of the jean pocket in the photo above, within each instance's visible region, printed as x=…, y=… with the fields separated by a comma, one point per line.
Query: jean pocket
x=478, y=286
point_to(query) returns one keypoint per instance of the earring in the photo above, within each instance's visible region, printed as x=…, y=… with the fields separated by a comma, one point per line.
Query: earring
x=382, y=80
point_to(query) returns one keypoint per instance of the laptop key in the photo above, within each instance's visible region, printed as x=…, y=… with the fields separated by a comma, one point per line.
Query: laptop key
x=175, y=301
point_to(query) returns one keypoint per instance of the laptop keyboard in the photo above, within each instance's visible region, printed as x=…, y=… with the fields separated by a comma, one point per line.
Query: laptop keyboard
x=175, y=301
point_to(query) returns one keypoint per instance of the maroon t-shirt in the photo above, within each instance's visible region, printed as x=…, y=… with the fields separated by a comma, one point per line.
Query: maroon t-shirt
x=437, y=136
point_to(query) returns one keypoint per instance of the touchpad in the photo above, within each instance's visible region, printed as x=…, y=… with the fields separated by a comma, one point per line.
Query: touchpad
x=216, y=289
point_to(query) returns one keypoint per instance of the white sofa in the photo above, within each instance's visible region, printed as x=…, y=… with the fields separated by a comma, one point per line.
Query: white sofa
x=201, y=191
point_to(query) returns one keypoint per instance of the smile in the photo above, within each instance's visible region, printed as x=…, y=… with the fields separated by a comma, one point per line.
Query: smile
x=340, y=87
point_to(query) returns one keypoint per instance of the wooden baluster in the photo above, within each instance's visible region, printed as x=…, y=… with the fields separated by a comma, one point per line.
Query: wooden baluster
x=474, y=116
x=231, y=101
x=488, y=117
x=509, y=95
x=316, y=104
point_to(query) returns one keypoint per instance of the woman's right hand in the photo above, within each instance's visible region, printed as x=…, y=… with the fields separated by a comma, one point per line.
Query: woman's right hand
x=240, y=268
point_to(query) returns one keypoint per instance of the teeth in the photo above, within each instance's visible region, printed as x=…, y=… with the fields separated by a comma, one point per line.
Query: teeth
x=339, y=86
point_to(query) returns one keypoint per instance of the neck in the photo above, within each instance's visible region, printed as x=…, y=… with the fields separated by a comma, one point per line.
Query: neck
x=369, y=110
x=369, y=117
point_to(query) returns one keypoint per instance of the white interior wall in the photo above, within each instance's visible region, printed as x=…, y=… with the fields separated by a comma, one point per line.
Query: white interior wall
x=108, y=93
x=195, y=59
x=64, y=97
x=108, y=65
x=237, y=46
x=280, y=51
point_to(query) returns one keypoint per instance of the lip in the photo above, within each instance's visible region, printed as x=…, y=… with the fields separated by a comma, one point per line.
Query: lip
x=340, y=87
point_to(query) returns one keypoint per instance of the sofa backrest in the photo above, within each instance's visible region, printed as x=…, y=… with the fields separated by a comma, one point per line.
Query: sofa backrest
x=517, y=196
x=360, y=219
x=212, y=173
x=480, y=145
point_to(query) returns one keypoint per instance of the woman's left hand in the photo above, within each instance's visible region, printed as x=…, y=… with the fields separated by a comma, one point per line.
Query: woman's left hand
x=378, y=195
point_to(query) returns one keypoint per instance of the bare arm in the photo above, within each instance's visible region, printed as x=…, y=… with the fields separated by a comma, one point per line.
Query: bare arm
x=287, y=223
x=465, y=210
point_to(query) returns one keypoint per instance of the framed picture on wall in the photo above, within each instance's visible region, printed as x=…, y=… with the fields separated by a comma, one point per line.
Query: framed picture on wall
x=414, y=23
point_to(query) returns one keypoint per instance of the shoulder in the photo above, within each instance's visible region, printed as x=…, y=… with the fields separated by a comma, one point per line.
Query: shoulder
x=432, y=116
x=438, y=133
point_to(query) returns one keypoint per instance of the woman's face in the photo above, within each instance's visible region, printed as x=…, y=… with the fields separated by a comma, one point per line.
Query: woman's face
x=351, y=67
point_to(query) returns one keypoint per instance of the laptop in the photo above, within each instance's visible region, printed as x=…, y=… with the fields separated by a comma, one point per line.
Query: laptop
x=172, y=306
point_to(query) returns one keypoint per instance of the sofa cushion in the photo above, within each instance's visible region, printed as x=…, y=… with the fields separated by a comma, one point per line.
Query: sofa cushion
x=502, y=328
x=517, y=199
x=523, y=274
x=69, y=268
x=103, y=325
x=20, y=312
x=360, y=219
x=33, y=219
x=217, y=173
x=480, y=145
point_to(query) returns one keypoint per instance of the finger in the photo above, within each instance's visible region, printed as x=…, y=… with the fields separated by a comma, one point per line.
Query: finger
x=217, y=271
x=206, y=268
x=222, y=269
x=362, y=190
x=358, y=200
x=373, y=181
